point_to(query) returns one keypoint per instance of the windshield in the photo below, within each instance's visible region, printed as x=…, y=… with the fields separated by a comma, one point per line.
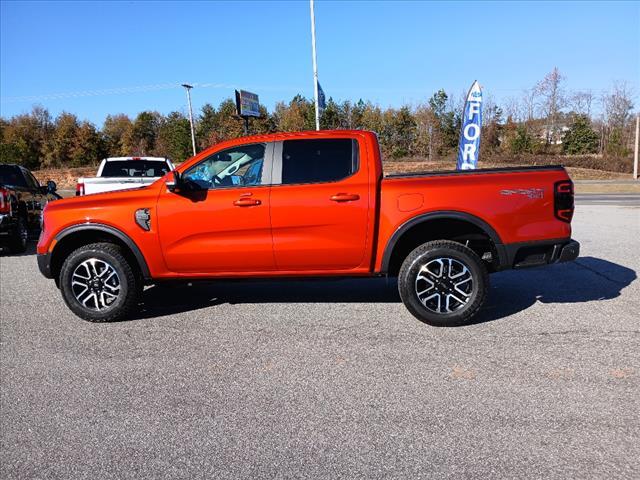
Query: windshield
x=134, y=168
x=10, y=175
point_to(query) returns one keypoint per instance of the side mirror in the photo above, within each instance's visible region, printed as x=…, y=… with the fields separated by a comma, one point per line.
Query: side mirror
x=173, y=184
x=51, y=186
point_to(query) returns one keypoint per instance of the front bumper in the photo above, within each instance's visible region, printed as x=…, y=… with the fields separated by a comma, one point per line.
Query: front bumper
x=535, y=254
x=44, y=264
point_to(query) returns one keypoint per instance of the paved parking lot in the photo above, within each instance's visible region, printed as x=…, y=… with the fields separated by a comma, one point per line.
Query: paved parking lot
x=333, y=379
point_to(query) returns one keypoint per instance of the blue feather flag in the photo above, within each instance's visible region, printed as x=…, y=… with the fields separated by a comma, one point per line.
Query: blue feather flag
x=469, y=146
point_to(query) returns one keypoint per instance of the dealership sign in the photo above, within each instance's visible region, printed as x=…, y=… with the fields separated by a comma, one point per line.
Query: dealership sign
x=247, y=104
x=469, y=147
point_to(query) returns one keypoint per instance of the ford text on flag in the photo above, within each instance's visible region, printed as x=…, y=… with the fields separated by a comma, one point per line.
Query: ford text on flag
x=469, y=147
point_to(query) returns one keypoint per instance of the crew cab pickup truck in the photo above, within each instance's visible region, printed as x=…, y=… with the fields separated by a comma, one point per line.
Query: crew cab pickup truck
x=22, y=200
x=120, y=173
x=310, y=204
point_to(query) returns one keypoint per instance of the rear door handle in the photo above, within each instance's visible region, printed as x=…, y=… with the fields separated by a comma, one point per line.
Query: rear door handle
x=246, y=202
x=345, y=197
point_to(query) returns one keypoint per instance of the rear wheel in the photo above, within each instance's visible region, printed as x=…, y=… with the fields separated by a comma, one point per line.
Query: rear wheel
x=443, y=283
x=19, y=238
x=98, y=283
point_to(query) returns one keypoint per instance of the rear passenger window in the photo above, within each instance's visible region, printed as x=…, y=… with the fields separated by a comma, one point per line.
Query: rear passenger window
x=316, y=161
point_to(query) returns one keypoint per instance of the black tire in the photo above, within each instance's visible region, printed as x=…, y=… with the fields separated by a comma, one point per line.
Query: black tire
x=130, y=283
x=19, y=239
x=434, y=256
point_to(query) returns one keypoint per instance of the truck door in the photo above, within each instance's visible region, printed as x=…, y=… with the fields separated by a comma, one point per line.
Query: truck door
x=219, y=223
x=319, y=205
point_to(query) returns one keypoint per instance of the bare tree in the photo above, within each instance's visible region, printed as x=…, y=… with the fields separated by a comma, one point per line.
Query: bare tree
x=581, y=102
x=552, y=100
x=457, y=103
x=617, y=105
x=490, y=107
x=513, y=109
x=530, y=99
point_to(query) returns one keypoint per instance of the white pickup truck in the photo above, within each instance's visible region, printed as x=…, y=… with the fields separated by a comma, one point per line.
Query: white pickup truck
x=120, y=173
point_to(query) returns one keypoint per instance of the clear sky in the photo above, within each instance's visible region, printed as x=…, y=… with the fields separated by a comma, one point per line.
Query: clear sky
x=132, y=56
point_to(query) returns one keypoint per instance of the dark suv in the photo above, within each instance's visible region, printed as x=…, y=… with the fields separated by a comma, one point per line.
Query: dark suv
x=22, y=200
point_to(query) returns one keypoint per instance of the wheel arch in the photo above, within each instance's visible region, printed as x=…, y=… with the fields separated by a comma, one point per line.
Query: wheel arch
x=442, y=225
x=75, y=236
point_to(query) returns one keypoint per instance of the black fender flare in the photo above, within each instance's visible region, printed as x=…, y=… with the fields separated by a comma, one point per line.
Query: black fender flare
x=100, y=227
x=443, y=214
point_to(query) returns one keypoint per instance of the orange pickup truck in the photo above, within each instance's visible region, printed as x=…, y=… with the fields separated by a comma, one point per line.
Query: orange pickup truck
x=309, y=204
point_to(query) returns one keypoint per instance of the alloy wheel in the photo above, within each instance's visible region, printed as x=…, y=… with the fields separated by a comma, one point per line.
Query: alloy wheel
x=95, y=284
x=444, y=285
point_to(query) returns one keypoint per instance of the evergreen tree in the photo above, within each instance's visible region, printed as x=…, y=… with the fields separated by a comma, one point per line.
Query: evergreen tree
x=522, y=141
x=117, y=134
x=58, y=151
x=229, y=124
x=87, y=146
x=206, y=127
x=174, y=138
x=297, y=116
x=263, y=124
x=330, y=119
x=145, y=132
x=25, y=138
x=399, y=132
x=371, y=118
x=580, y=138
x=447, y=122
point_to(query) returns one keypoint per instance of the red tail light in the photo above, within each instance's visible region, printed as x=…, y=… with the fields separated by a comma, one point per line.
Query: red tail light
x=79, y=189
x=5, y=201
x=563, y=200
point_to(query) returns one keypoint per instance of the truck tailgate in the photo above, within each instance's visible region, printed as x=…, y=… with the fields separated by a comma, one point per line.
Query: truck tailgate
x=110, y=184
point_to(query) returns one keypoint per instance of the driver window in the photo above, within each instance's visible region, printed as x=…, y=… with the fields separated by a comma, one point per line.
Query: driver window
x=235, y=167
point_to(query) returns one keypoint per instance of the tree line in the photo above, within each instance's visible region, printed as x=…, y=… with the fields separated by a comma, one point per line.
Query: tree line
x=544, y=120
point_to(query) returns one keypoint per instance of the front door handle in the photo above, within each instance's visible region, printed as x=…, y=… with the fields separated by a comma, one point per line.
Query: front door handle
x=345, y=197
x=246, y=202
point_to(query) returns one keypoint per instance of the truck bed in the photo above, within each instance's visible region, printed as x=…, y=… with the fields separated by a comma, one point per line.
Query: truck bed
x=439, y=173
x=516, y=202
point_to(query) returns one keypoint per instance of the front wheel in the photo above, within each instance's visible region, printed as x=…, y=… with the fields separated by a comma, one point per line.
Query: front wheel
x=98, y=284
x=19, y=238
x=443, y=283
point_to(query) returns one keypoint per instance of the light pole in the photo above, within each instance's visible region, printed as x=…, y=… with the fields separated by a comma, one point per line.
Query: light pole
x=637, y=147
x=315, y=64
x=193, y=136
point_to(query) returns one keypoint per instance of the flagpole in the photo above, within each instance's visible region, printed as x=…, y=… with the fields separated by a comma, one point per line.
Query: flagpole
x=315, y=64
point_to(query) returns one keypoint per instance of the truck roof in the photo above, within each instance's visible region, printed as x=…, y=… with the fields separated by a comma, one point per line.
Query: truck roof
x=152, y=159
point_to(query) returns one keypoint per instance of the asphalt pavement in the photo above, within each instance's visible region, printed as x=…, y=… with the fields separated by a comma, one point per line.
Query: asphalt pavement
x=329, y=379
x=615, y=199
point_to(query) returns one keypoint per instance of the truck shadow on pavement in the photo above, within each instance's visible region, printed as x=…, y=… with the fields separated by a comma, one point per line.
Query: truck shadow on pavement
x=588, y=279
